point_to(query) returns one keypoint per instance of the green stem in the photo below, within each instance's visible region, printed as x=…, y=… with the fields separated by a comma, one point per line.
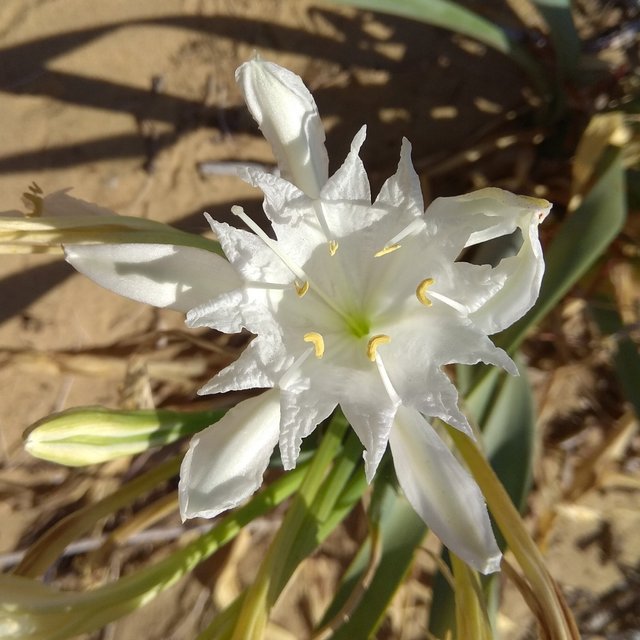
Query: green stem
x=280, y=559
x=66, y=615
x=48, y=547
x=336, y=497
x=559, y=619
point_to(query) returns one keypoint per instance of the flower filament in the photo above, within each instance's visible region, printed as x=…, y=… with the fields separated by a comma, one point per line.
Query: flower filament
x=411, y=229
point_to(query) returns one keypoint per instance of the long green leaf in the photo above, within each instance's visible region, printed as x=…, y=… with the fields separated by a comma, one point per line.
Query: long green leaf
x=508, y=435
x=626, y=359
x=503, y=407
x=564, y=35
x=401, y=531
x=37, y=612
x=447, y=14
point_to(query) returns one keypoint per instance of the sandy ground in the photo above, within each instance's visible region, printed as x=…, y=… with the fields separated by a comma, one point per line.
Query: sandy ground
x=121, y=101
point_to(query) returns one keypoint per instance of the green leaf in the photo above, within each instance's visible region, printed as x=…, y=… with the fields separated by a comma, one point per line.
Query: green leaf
x=33, y=611
x=42, y=553
x=401, y=531
x=564, y=35
x=508, y=435
x=48, y=233
x=503, y=407
x=626, y=359
x=450, y=15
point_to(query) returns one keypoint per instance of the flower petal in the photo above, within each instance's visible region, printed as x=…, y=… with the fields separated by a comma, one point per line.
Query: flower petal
x=370, y=411
x=418, y=379
x=284, y=203
x=522, y=276
x=467, y=220
x=163, y=275
x=350, y=181
x=302, y=412
x=441, y=491
x=254, y=368
x=402, y=190
x=225, y=462
x=288, y=118
x=250, y=256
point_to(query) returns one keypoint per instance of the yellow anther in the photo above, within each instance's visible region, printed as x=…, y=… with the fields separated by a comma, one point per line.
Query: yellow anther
x=333, y=247
x=301, y=287
x=317, y=341
x=372, y=346
x=421, y=291
x=385, y=250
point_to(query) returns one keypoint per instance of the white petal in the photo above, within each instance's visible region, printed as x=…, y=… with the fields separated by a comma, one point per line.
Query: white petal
x=467, y=220
x=436, y=338
x=254, y=369
x=163, y=275
x=288, y=118
x=280, y=196
x=225, y=462
x=251, y=257
x=522, y=276
x=370, y=412
x=443, y=494
x=301, y=413
x=476, y=217
x=350, y=181
x=245, y=308
x=402, y=190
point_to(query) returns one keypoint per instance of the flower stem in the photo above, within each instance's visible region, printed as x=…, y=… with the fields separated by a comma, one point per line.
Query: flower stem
x=49, y=546
x=559, y=620
x=287, y=549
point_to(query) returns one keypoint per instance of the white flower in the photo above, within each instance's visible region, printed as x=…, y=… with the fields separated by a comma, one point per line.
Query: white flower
x=356, y=304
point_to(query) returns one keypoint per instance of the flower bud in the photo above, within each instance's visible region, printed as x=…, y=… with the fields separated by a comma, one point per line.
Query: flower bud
x=90, y=435
x=288, y=117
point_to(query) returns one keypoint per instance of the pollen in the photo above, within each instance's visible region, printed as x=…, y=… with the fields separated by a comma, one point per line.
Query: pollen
x=301, y=287
x=385, y=250
x=374, y=343
x=333, y=247
x=421, y=291
x=317, y=341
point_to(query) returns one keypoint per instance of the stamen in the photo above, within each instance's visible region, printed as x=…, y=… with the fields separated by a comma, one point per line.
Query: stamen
x=322, y=221
x=296, y=270
x=388, y=386
x=301, y=287
x=448, y=301
x=304, y=283
x=275, y=286
x=386, y=250
x=393, y=244
x=290, y=373
x=318, y=342
x=421, y=291
x=374, y=342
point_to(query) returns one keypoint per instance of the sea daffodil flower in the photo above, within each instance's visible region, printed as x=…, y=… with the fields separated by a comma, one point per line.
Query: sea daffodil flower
x=354, y=303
